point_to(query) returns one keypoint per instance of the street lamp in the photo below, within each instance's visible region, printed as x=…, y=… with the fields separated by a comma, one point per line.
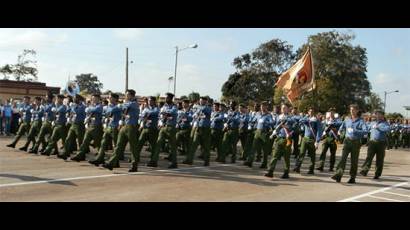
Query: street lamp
x=385, y=95
x=177, y=50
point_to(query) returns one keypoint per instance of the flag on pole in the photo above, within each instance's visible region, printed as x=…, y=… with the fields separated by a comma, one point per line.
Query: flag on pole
x=299, y=78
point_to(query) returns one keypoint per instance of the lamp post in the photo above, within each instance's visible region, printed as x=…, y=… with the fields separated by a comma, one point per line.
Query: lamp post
x=385, y=96
x=177, y=50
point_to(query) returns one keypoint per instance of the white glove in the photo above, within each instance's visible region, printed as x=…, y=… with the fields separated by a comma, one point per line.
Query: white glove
x=225, y=125
x=349, y=130
x=121, y=122
x=87, y=110
x=104, y=126
x=249, y=127
x=53, y=109
x=374, y=126
x=21, y=110
x=31, y=110
x=43, y=119
x=316, y=145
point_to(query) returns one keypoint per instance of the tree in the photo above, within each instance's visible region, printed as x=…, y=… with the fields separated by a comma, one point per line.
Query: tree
x=394, y=116
x=194, y=96
x=340, y=72
x=374, y=102
x=257, y=72
x=89, y=83
x=24, y=70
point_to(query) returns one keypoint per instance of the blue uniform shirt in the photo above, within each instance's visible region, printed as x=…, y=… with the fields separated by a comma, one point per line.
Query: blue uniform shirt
x=61, y=111
x=37, y=113
x=131, y=110
x=151, y=115
x=95, y=112
x=217, y=120
x=244, y=120
x=313, y=128
x=379, y=130
x=288, y=122
x=169, y=114
x=354, y=129
x=49, y=115
x=264, y=122
x=334, y=126
x=232, y=119
x=202, y=116
x=79, y=113
x=184, y=119
x=7, y=110
x=25, y=109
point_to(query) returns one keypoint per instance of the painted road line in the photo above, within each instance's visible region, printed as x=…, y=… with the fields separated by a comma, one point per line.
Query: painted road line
x=373, y=192
x=107, y=175
x=384, y=198
x=396, y=194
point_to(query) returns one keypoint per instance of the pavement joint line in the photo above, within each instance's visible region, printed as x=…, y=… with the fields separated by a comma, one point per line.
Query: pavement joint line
x=373, y=192
x=108, y=175
x=384, y=198
x=396, y=194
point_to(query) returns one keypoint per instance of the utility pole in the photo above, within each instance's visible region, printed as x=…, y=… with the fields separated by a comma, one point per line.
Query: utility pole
x=126, y=69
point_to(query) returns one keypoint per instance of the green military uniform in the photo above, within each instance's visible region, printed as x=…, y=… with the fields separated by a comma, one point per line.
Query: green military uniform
x=281, y=148
x=23, y=128
x=76, y=131
x=328, y=144
x=127, y=133
x=94, y=132
x=183, y=139
x=231, y=136
x=261, y=142
x=34, y=130
x=216, y=140
x=166, y=132
x=46, y=129
x=58, y=133
x=201, y=136
x=375, y=148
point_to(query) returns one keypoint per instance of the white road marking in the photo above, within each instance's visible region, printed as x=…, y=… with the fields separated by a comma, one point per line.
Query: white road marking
x=384, y=198
x=373, y=192
x=396, y=194
x=107, y=175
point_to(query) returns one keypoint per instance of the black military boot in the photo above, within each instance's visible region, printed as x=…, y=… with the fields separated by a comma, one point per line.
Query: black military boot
x=264, y=165
x=96, y=162
x=186, y=162
x=11, y=145
x=107, y=166
x=24, y=148
x=33, y=151
x=247, y=163
x=311, y=171
x=363, y=173
x=376, y=177
x=285, y=175
x=206, y=163
x=297, y=169
x=269, y=174
x=63, y=156
x=78, y=158
x=173, y=166
x=152, y=164
x=337, y=178
x=134, y=167
x=320, y=168
x=351, y=180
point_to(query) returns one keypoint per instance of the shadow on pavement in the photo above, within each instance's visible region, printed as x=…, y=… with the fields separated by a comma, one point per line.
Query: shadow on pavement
x=33, y=178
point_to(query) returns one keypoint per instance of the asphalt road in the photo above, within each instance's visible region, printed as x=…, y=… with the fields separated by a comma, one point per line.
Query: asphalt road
x=27, y=177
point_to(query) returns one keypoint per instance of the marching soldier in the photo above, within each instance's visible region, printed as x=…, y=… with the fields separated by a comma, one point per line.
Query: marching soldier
x=230, y=137
x=75, y=118
x=58, y=126
x=406, y=134
x=355, y=129
x=94, y=128
x=25, y=119
x=310, y=141
x=330, y=141
x=377, y=145
x=128, y=133
x=184, y=120
x=252, y=125
x=149, y=125
x=36, y=118
x=243, y=129
x=217, y=125
x=263, y=123
x=113, y=115
x=167, y=131
x=201, y=132
x=282, y=145
x=296, y=133
x=46, y=127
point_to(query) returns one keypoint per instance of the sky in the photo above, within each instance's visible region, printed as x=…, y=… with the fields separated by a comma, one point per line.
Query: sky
x=64, y=53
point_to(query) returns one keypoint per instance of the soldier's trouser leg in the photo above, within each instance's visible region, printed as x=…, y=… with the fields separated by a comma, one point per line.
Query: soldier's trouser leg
x=371, y=152
x=147, y=134
x=234, y=143
x=107, y=136
x=92, y=133
x=34, y=130
x=380, y=159
x=216, y=137
x=258, y=140
x=295, y=141
x=206, y=143
x=248, y=145
x=280, y=149
x=195, y=137
x=127, y=133
x=70, y=140
x=23, y=128
x=44, y=130
x=350, y=147
x=243, y=137
x=183, y=139
x=58, y=132
x=308, y=145
x=168, y=133
x=322, y=157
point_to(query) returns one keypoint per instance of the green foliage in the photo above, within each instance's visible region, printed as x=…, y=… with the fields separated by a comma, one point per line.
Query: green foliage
x=89, y=83
x=24, y=70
